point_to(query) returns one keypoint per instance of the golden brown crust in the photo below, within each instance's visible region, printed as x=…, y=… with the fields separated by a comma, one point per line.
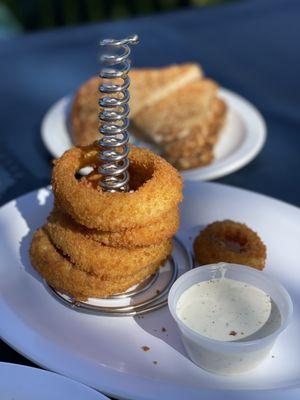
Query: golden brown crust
x=98, y=259
x=148, y=235
x=158, y=190
x=229, y=241
x=62, y=275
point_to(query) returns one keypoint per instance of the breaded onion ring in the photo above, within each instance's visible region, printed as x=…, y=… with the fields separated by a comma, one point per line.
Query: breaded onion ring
x=143, y=236
x=156, y=185
x=230, y=241
x=63, y=276
x=98, y=259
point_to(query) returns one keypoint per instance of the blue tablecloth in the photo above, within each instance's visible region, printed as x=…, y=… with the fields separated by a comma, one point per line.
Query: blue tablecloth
x=251, y=47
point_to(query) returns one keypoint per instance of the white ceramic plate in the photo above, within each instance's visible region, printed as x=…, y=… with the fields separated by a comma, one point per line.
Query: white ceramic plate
x=18, y=382
x=106, y=352
x=241, y=139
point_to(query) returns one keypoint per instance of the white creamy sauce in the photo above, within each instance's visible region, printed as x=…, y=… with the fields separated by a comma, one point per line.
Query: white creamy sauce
x=228, y=310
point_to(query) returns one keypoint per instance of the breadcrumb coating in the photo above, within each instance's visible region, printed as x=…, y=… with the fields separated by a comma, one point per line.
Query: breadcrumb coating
x=151, y=234
x=229, y=241
x=66, y=277
x=98, y=259
x=157, y=189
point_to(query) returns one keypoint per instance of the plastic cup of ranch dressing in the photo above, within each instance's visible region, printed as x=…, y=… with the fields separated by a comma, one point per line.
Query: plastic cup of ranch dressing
x=229, y=316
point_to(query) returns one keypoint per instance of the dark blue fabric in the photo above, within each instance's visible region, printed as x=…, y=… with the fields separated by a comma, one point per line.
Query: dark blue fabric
x=251, y=47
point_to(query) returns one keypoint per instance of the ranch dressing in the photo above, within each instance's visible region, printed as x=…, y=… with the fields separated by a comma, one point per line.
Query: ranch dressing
x=228, y=310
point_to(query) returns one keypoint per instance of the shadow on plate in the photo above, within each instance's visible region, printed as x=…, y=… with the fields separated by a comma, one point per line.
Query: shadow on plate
x=160, y=323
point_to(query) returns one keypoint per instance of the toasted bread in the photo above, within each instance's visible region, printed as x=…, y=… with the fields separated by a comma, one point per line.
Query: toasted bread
x=200, y=157
x=150, y=85
x=147, y=87
x=196, y=149
x=172, y=117
x=84, y=114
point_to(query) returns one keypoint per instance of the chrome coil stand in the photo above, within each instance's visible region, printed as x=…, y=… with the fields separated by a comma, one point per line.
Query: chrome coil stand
x=114, y=99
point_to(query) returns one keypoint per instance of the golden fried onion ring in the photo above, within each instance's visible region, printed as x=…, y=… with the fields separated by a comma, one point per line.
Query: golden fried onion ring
x=229, y=241
x=157, y=188
x=98, y=259
x=148, y=235
x=63, y=276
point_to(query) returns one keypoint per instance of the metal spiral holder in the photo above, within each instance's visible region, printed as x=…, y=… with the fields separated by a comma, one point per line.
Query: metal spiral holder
x=114, y=117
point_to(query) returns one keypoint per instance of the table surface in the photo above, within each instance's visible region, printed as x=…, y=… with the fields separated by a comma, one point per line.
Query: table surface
x=251, y=47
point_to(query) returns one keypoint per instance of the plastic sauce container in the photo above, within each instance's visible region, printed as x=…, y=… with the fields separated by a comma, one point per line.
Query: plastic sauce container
x=230, y=357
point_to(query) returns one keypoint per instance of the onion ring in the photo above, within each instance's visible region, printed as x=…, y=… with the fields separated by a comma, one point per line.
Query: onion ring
x=63, y=276
x=98, y=259
x=148, y=235
x=229, y=241
x=157, y=188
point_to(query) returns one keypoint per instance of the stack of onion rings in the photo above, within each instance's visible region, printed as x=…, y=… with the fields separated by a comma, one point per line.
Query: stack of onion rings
x=96, y=258
x=96, y=243
x=64, y=276
x=229, y=241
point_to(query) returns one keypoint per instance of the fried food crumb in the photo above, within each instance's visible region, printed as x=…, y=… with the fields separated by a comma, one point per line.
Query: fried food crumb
x=232, y=333
x=163, y=329
x=145, y=348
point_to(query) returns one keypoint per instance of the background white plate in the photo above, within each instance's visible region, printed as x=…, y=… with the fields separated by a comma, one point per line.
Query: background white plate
x=18, y=382
x=105, y=352
x=241, y=139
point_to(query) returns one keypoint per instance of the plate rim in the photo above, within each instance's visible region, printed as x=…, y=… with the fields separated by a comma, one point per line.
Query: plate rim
x=204, y=173
x=53, y=375
x=171, y=390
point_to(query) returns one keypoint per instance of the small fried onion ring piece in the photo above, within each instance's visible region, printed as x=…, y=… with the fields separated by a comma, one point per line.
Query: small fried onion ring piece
x=65, y=277
x=229, y=241
x=156, y=185
x=98, y=259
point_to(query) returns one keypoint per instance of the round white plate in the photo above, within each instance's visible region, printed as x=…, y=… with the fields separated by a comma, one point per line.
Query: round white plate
x=18, y=382
x=106, y=352
x=241, y=139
